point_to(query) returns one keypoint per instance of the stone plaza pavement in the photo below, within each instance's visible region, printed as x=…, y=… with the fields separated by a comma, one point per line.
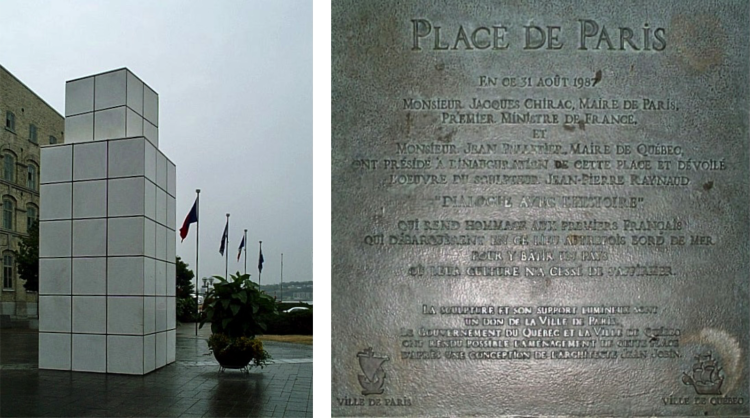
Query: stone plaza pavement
x=190, y=387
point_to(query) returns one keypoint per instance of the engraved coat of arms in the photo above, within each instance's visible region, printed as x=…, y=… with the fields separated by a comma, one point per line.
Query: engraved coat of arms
x=374, y=376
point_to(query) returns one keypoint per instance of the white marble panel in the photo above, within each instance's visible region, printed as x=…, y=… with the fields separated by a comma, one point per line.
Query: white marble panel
x=54, y=351
x=54, y=238
x=171, y=245
x=171, y=279
x=79, y=96
x=161, y=170
x=150, y=105
x=56, y=201
x=161, y=313
x=126, y=197
x=160, y=287
x=90, y=199
x=79, y=128
x=125, y=236
x=90, y=237
x=149, y=353
x=56, y=163
x=125, y=315
x=150, y=163
x=161, y=349
x=151, y=133
x=134, y=124
x=171, y=313
x=171, y=345
x=171, y=213
x=90, y=161
x=90, y=353
x=125, y=276
x=161, y=242
x=171, y=179
x=135, y=93
x=149, y=276
x=126, y=157
x=90, y=314
x=150, y=200
x=109, y=124
x=149, y=314
x=125, y=354
x=161, y=206
x=54, y=276
x=54, y=313
x=90, y=276
x=110, y=90
x=149, y=238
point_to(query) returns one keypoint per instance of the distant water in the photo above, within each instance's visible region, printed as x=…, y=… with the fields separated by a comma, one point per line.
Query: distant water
x=309, y=302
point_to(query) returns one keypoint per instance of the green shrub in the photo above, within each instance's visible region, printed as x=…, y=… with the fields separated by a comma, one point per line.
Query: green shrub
x=237, y=307
x=292, y=323
x=187, y=310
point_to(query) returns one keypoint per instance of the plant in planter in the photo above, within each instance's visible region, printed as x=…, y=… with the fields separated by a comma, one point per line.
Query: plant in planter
x=237, y=311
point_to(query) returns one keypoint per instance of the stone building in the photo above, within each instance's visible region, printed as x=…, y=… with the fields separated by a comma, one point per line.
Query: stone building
x=30, y=123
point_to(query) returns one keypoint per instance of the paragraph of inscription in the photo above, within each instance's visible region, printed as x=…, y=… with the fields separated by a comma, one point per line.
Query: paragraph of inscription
x=541, y=333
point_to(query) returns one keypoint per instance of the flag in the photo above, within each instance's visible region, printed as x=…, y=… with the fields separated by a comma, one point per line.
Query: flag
x=260, y=261
x=224, y=238
x=242, y=245
x=191, y=217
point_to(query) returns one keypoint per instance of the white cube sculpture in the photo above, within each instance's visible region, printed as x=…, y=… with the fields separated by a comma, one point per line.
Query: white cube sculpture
x=107, y=233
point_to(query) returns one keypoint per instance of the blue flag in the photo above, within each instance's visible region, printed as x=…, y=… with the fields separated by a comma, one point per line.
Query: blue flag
x=239, y=251
x=224, y=238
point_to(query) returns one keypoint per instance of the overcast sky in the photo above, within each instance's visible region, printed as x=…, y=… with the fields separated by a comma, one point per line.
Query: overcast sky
x=234, y=80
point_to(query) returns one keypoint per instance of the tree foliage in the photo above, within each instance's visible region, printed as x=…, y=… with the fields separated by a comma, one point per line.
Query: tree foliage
x=27, y=258
x=184, y=280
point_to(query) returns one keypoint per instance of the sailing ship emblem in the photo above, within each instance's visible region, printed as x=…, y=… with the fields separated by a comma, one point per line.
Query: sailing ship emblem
x=374, y=376
x=707, y=376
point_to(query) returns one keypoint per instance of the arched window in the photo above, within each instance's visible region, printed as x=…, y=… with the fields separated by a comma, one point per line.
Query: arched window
x=9, y=211
x=8, y=266
x=31, y=176
x=9, y=167
x=32, y=213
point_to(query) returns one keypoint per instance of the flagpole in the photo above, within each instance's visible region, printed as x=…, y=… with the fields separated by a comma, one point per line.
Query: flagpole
x=245, y=241
x=197, y=250
x=226, y=253
x=281, y=296
x=260, y=249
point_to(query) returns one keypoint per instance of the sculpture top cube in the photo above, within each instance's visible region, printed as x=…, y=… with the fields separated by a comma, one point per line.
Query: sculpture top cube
x=114, y=104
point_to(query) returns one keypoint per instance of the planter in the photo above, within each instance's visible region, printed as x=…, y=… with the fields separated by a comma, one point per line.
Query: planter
x=233, y=359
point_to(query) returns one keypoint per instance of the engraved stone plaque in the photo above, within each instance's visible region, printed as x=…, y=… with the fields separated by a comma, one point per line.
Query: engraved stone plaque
x=540, y=208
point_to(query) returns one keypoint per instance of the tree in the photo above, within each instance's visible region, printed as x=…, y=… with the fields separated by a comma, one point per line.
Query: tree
x=27, y=258
x=184, y=280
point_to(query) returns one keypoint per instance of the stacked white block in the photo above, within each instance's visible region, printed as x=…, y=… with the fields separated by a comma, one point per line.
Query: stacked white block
x=107, y=236
x=111, y=105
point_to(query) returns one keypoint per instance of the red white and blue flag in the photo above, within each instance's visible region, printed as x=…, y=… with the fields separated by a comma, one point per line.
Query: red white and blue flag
x=192, y=217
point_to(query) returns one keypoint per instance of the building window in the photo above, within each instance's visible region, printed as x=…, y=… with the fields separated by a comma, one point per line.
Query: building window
x=8, y=264
x=32, y=134
x=31, y=216
x=31, y=176
x=9, y=209
x=10, y=121
x=52, y=140
x=9, y=167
